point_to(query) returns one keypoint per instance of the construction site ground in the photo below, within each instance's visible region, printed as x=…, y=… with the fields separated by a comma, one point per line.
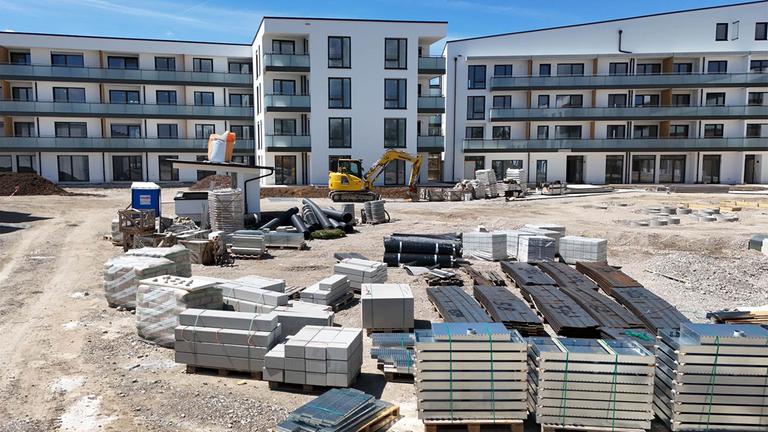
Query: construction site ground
x=68, y=362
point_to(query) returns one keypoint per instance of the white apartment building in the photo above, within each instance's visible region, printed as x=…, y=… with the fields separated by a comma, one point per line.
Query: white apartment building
x=677, y=97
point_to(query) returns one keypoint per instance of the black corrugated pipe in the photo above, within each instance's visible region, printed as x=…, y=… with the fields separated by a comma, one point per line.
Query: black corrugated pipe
x=322, y=219
x=309, y=217
x=394, y=259
x=338, y=215
x=284, y=218
x=300, y=226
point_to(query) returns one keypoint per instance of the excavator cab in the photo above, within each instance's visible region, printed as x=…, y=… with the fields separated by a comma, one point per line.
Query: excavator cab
x=351, y=167
x=349, y=183
x=347, y=180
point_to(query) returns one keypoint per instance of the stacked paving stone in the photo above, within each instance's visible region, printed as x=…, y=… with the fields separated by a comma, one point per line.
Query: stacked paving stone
x=329, y=291
x=553, y=231
x=250, y=293
x=178, y=254
x=485, y=245
x=318, y=356
x=298, y=314
x=575, y=248
x=394, y=352
x=387, y=306
x=590, y=383
x=248, y=242
x=226, y=340
x=123, y=273
x=536, y=248
x=360, y=271
x=340, y=410
x=519, y=176
x=513, y=240
x=471, y=373
x=488, y=179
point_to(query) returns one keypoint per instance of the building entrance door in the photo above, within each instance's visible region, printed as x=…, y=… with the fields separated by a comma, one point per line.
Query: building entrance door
x=541, y=172
x=750, y=169
x=574, y=169
x=711, y=169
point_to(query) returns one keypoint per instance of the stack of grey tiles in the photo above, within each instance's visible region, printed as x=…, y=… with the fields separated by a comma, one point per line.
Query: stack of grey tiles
x=226, y=340
x=575, y=248
x=328, y=291
x=123, y=273
x=298, y=314
x=248, y=242
x=487, y=178
x=513, y=240
x=360, y=271
x=536, y=248
x=519, y=176
x=269, y=284
x=387, y=306
x=318, y=356
x=250, y=293
x=374, y=212
x=177, y=253
x=491, y=246
x=553, y=231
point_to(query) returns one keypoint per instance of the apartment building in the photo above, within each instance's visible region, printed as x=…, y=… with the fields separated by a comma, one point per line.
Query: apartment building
x=677, y=97
x=100, y=110
x=335, y=88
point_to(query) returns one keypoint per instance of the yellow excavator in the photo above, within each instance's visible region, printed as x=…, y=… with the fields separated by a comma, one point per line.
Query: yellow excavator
x=349, y=183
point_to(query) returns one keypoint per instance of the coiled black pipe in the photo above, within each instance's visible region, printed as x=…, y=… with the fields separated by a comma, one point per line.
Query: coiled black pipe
x=322, y=219
x=283, y=219
x=395, y=259
x=338, y=215
x=421, y=245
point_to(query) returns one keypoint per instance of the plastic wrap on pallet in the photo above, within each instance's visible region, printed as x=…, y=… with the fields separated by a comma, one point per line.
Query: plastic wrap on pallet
x=422, y=245
x=374, y=211
x=575, y=248
x=226, y=209
x=177, y=253
x=123, y=273
x=494, y=245
x=395, y=259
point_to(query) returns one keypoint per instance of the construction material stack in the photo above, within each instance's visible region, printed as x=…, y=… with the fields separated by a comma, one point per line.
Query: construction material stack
x=519, y=176
x=298, y=314
x=506, y=308
x=536, y=248
x=574, y=248
x=178, y=254
x=490, y=246
x=330, y=291
x=455, y=305
x=248, y=242
x=225, y=340
x=713, y=377
x=513, y=241
x=553, y=231
x=122, y=275
x=471, y=373
x=590, y=384
x=487, y=178
x=226, y=209
x=339, y=410
x=422, y=250
x=250, y=293
x=386, y=307
x=374, y=212
x=360, y=271
x=394, y=353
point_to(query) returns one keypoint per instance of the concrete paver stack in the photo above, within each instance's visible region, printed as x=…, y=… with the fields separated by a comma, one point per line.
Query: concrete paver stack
x=491, y=246
x=122, y=275
x=178, y=254
x=339, y=410
x=328, y=291
x=360, y=271
x=513, y=240
x=394, y=352
x=387, y=306
x=536, y=248
x=575, y=248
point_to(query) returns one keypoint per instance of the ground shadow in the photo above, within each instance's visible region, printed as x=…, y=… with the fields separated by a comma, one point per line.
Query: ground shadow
x=14, y=221
x=371, y=383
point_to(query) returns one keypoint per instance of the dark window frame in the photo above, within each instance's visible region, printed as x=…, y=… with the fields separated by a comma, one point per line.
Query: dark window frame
x=200, y=129
x=170, y=63
x=542, y=132
x=401, y=87
x=346, y=87
x=246, y=99
x=655, y=69
x=29, y=96
x=472, y=112
x=68, y=58
x=758, y=66
x=761, y=31
x=125, y=94
x=721, y=32
x=561, y=128
x=714, y=99
x=545, y=67
x=198, y=62
x=612, y=102
x=470, y=130
x=280, y=44
x=243, y=68
x=13, y=58
x=199, y=98
x=24, y=167
x=612, y=66
x=345, y=61
x=282, y=122
x=128, y=130
x=399, y=170
x=574, y=101
x=172, y=128
x=69, y=177
x=504, y=68
x=653, y=131
x=717, y=63
x=501, y=132
x=164, y=164
x=621, y=130
x=24, y=129
x=714, y=130
x=683, y=133
x=69, y=128
x=401, y=129
x=476, y=77
x=570, y=66
x=133, y=168
x=505, y=99
x=171, y=100
x=125, y=60
x=401, y=59
x=281, y=83
x=67, y=91
x=346, y=126
x=280, y=175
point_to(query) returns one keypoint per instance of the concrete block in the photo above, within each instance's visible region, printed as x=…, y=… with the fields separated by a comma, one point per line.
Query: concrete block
x=295, y=377
x=269, y=374
x=228, y=319
x=295, y=364
x=316, y=366
x=318, y=379
x=386, y=306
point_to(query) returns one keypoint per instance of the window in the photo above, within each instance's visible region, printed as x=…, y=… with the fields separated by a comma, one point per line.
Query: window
x=756, y=98
x=501, y=132
x=435, y=167
x=203, y=131
x=569, y=101
x=618, y=68
x=124, y=96
x=67, y=60
x=545, y=70
x=672, y=169
x=758, y=66
x=283, y=87
x=285, y=170
x=721, y=31
x=715, y=99
x=682, y=68
x=614, y=169
x=239, y=68
x=474, y=132
x=395, y=53
x=339, y=92
x=502, y=70
x=127, y=168
x=165, y=63
x=500, y=167
x=71, y=129
x=283, y=46
x=340, y=132
x=114, y=62
x=339, y=52
x=646, y=131
x=165, y=97
x=23, y=94
x=25, y=164
x=245, y=160
x=542, y=132
x=167, y=171
x=333, y=162
x=648, y=68
x=202, y=65
x=678, y=131
x=204, y=98
x=543, y=101
x=73, y=169
x=475, y=107
x=394, y=132
x=6, y=163
x=643, y=168
x=681, y=100
x=125, y=130
x=567, y=132
x=754, y=130
x=503, y=102
x=23, y=129
x=394, y=94
x=241, y=100
x=201, y=174
x=20, y=58
x=713, y=130
x=646, y=100
x=68, y=94
x=570, y=69
x=617, y=100
x=761, y=31
x=719, y=66
x=284, y=127
x=476, y=77
x=242, y=131
x=616, y=132
x=167, y=130
x=394, y=173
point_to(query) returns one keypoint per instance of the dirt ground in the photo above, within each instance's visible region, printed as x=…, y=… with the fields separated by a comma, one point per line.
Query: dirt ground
x=68, y=362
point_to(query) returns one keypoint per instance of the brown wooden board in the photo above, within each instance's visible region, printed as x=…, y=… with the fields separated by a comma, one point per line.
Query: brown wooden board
x=455, y=305
x=603, y=309
x=607, y=277
x=525, y=274
x=560, y=311
x=565, y=275
x=505, y=307
x=653, y=310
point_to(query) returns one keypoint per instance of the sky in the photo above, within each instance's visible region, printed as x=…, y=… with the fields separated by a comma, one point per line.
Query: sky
x=236, y=21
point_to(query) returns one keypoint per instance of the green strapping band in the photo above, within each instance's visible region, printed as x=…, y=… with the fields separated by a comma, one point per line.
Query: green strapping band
x=612, y=401
x=564, y=395
x=638, y=335
x=711, y=388
x=450, y=371
x=493, y=392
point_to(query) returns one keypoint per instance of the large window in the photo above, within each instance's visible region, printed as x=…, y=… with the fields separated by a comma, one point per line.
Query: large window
x=283, y=87
x=761, y=31
x=116, y=62
x=643, y=168
x=681, y=100
x=394, y=173
x=542, y=132
x=71, y=129
x=239, y=68
x=682, y=68
x=715, y=99
x=203, y=98
x=6, y=163
x=474, y=132
x=203, y=131
x=569, y=101
x=23, y=129
x=339, y=52
x=240, y=99
x=756, y=98
x=614, y=169
x=501, y=132
x=758, y=66
x=23, y=94
x=567, y=132
x=618, y=68
x=124, y=97
x=339, y=92
x=283, y=46
x=679, y=131
x=167, y=171
x=616, y=100
x=476, y=77
x=713, y=130
x=502, y=70
x=754, y=130
x=167, y=130
x=394, y=133
x=721, y=31
x=340, y=132
x=717, y=66
x=545, y=69
x=395, y=94
x=672, y=169
x=646, y=100
x=434, y=167
x=165, y=63
x=395, y=53
x=202, y=65
x=242, y=131
x=543, y=101
x=285, y=170
x=500, y=167
x=434, y=125
x=68, y=94
x=616, y=131
x=25, y=164
x=502, y=102
x=73, y=169
x=165, y=97
x=285, y=127
x=475, y=107
x=570, y=69
x=648, y=68
x=20, y=58
x=125, y=130
x=646, y=131
x=127, y=168
x=67, y=60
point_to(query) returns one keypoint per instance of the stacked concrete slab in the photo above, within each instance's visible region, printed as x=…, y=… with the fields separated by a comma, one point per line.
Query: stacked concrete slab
x=575, y=248
x=471, y=373
x=248, y=242
x=487, y=177
x=123, y=273
x=329, y=291
x=513, y=240
x=178, y=254
x=536, y=248
x=226, y=340
x=387, y=306
x=250, y=293
x=298, y=314
x=485, y=245
x=360, y=271
x=318, y=356
x=553, y=231
x=269, y=284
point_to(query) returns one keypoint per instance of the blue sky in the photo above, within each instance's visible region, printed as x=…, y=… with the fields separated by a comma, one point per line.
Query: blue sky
x=237, y=20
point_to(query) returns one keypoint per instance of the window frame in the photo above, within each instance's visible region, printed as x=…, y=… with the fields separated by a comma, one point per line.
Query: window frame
x=504, y=132
x=67, y=91
x=163, y=162
x=763, y=66
x=641, y=128
x=617, y=127
x=125, y=94
x=346, y=86
x=570, y=101
x=721, y=28
x=198, y=62
x=547, y=67
x=468, y=135
x=283, y=43
x=241, y=65
x=401, y=125
x=346, y=125
x=198, y=96
x=471, y=108
x=26, y=128
x=132, y=169
x=612, y=104
x=505, y=67
x=540, y=129
x=200, y=129
x=571, y=66
x=281, y=83
x=401, y=87
x=280, y=175
x=169, y=61
x=246, y=99
x=396, y=165
x=719, y=63
x=655, y=69
x=172, y=127
x=29, y=95
x=717, y=99
x=676, y=66
x=402, y=53
x=612, y=68
x=559, y=128
x=124, y=60
x=128, y=129
x=761, y=30
x=343, y=64
x=14, y=55
x=26, y=168
x=717, y=128
x=504, y=99
x=73, y=179
x=282, y=122
x=673, y=133
x=69, y=127
x=679, y=95
x=166, y=92
x=67, y=57
x=472, y=74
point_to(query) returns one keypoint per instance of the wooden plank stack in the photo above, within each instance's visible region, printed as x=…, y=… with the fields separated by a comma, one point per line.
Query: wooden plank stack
x=484, y=277
x=508, y=309
x=747, y=315
x=455, y=305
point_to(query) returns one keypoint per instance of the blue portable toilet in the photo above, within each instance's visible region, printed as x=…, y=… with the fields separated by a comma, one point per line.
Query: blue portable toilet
x=145, y=196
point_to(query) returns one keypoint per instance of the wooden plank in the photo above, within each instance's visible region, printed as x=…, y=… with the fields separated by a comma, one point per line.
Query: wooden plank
x=455, y=305
x=525, y=274
x=565, y=316
x=655, y=312
x=505, y=307
x=607, y=277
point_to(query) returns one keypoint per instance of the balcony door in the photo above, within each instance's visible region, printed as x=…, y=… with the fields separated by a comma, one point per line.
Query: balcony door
x=643, y=168
x=710, y=169
x=750, y=169
x=614, y=169
x=541, y=172
x=574, y=169
x=672, y=169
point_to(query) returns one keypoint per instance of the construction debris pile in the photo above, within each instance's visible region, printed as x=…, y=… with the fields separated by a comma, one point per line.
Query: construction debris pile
x=439, y=250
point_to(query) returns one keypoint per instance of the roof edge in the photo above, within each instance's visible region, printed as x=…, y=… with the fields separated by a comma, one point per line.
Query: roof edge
x=121, y=38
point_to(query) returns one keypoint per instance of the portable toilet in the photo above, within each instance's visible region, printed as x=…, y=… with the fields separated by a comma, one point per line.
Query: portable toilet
x=145, y=196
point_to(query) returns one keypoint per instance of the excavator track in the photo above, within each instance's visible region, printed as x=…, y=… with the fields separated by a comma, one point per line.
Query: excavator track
x=353, y=196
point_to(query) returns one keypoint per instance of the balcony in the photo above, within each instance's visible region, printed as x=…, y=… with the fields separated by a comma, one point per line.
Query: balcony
x=631, y=113
x=287, y=103
x=123, y=76
x=430, y=144
x=80, y=109
x=286, y=62
x=599, y=145
x=432, y=65
x=114, y=144
x=289, y=143
x=431, y=104
x=628, y=81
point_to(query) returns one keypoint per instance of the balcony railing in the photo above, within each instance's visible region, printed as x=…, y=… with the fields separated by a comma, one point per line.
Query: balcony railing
x=81, y=109
x=111, y=144
x=287, y=103
x=432, y=65
x=627, y=113
x=286, y=62
x=628, y=81
x=432, y=143
x=431, y=104
x=288, y=143
x=626, y=144
x=123, y=76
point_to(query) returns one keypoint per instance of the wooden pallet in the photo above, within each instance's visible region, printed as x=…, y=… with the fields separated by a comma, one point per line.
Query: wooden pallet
x=399, y=377
x=556, y=428
x=286, y=246
x=199, y=370
x=298, y=388
x=344, y=302
x=294, y=292
x=478, y=426
x=388, y=330
x=381, y=421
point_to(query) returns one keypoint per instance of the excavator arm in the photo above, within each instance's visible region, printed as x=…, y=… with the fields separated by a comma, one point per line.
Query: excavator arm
x=392, y=155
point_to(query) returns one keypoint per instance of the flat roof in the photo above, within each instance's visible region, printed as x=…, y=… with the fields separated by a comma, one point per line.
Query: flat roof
x=120, y=38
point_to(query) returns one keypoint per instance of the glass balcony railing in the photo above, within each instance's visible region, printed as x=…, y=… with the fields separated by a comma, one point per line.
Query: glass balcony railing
x=288, y=143
x=629, y=81
x=124, y=76
x=288, y=103
x=430, y=143
x=108, y=144
x=661, y=144
x=286, y=62
x=614, y=113
x=80, y=109
x=431, y=104
x=432, y=65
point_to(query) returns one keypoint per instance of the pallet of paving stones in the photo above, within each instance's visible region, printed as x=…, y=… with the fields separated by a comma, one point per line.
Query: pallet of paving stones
x=655, y=312
x=525, y=274
x=560, y=311
x=394, y=354
x=505, y=307
x=565, y=275
x=455, y=305
x=606, y=276
x=437, y=277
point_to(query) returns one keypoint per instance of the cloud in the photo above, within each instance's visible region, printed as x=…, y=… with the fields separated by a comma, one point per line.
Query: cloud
x=8, y=30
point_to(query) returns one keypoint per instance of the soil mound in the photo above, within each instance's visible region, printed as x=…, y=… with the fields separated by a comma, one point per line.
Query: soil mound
x=213, y=182
x=28, y=184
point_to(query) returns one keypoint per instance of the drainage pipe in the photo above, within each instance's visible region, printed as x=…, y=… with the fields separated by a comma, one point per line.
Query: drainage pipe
x=322, y=219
